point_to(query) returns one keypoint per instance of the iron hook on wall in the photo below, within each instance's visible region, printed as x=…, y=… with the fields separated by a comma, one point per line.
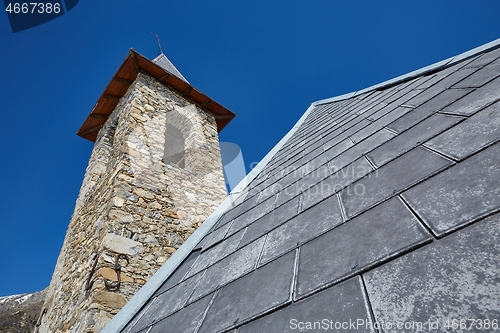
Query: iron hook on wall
x=89, y=282
x=39, y=321
x=110, y=285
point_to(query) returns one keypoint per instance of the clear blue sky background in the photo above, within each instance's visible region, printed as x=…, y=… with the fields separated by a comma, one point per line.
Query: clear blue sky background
x=264, y=60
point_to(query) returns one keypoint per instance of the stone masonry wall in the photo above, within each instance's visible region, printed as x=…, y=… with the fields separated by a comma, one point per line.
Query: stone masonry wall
x=131, y=202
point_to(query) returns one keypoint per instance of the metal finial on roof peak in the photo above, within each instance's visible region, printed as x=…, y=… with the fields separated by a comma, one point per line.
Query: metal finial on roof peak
x=160, y=50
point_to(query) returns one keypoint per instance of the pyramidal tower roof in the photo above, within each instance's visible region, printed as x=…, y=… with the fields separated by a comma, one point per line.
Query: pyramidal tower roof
x=162, y=70
x=167, y=65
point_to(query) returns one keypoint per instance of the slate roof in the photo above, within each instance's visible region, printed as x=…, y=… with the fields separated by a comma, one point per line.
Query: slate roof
x=379, y=207
x=167, y=65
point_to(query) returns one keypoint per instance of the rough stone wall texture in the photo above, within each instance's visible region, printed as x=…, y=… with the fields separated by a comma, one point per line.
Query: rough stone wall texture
x=154, y=176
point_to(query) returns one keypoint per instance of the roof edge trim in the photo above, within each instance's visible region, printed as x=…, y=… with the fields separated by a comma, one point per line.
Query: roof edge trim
x=134, y=305
x=419, y=72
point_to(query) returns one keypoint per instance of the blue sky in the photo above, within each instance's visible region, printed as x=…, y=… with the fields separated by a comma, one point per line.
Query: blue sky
x=264, y=60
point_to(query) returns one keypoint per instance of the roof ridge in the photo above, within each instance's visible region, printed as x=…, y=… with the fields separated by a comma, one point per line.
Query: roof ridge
x=440, y=65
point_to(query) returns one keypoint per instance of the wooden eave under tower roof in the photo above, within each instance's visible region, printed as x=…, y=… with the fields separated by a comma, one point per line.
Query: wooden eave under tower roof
x=134, y=64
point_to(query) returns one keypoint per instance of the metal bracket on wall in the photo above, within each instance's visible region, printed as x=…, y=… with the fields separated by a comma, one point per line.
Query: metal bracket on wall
x=39, y=321
x=89, y=282
x=110, y=285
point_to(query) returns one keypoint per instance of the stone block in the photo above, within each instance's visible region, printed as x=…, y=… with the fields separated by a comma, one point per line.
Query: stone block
x=109, y=299
x=120, y=216
x=119, y=244
x=110, y=274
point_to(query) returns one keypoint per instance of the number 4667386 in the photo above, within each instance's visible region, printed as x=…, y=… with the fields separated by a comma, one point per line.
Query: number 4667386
x=33, y=7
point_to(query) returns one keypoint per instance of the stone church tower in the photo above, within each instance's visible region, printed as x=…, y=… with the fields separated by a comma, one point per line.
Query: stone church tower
x=154, y=176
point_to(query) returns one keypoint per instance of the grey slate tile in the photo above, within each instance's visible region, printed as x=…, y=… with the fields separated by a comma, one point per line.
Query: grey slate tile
x=216, y=253
x=355, y=125
x=131, y=325
x=330, y=152
x=168, y=302
x=262, y=176
x=367, y=109
x=360, y=148
x=274, y=174
x=410, y=119
x=185, y=320
x=380, y=123
x=215, y=236
x=273, y=177
x=481, y=77
x=392, y=178
x=368, y=103
x=402, y=91
x=287, y=194
x=270, y=221
x=256, y=293
x=302, y=228
x=424, y=96
x=318, y=126
x=427, y=109
x=297, y=140
x=290, y=192
x=417, y=82
x=374, y=109
x=288, y=175
x=238, y=210
x=303, y=184
x=438, y=96
x=377, y=235
x=460, y=75
x=230, y=268
x=430, y=79
x=475, y=133
x=253, y=214
x=317, y=144
x=461, y=194
x=476, y=100
x=295, y=189
x=142, y=331
x=295, y=159
x=339, y=179
x=485, y=58
x=401, y=101
x=179, y=273
x=228, y=217
x=416, y=135
x=440, y=75
x=447, y=77
x=451, y=279
x=345, y=122
x=344, y=302
x=329, y=136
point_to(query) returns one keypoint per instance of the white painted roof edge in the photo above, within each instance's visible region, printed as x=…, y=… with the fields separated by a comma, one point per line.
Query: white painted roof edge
x=122, y=318
x=438, y=65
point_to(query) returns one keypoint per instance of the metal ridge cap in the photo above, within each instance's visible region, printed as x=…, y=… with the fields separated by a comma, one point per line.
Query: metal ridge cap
x=135, y=304
x=405, y=77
